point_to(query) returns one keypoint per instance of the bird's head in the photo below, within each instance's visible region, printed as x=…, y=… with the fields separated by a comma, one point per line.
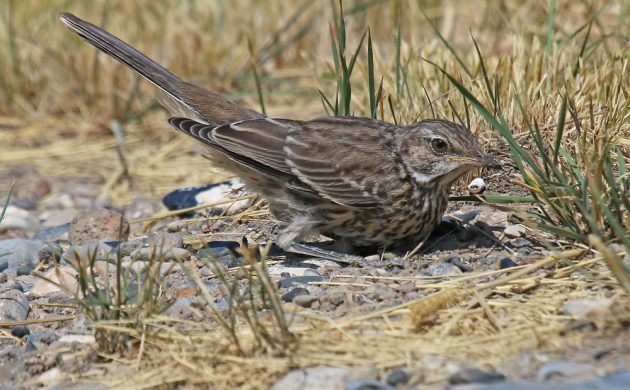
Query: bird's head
x=440, y=150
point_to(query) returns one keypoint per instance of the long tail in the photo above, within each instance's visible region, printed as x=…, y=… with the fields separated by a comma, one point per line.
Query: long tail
x=207, y=106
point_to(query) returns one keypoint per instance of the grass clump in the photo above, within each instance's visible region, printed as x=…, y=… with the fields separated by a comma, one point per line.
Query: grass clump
x=577, y=174
x=114, y=296
x=253, y=305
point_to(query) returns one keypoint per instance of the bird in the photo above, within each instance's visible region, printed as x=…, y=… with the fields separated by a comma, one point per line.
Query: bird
x=359, y=181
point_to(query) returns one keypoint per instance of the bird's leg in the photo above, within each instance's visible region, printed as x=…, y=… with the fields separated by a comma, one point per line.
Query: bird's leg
x=310, y=250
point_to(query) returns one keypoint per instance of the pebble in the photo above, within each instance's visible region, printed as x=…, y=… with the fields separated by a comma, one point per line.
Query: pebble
x=506, y=262
x=60, y=276
x=612, y=382
x=57, y=201
x=221, y=251
x=519, y=242
x=477, y=186
x=302, y=267
x=84, y=253
x=475, y=375
x=565, y=369
x=54, y=218
x=367, y=384
x=587, y=308
x=397, y=377
x=165, y=240
x=20, y=331
x=77, y=339
x=290, y=295
x=138, y=267
x=26, y=204
x=19, y=251
x=16, y=218
x=97, y=225
x=515, y=231
x=24, y=269
x=172, y=254
x=305, y=301
x=299, y=281
x=176, y=226
x=13, y=305
x=444, y=269
x=313, y=378
x=55, y=233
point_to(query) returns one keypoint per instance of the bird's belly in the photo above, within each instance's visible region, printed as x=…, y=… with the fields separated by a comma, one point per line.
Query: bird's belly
x=388, y=226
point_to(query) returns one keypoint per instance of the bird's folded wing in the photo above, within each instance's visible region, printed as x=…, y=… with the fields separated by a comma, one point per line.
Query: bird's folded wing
x=339, y=159
x=344, y=160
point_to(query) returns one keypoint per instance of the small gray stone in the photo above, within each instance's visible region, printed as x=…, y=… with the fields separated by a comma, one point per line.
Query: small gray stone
x=55, y=233
x=57, y=218
x=506, y=262
x=20, y=331
x=19, y=251
x=566, y=370
x=165, y=240
x=25, y=269
x=290, y=295
x=519, y=242
x=515, y=231
x=16, y=218
x=299, y=280
x=13, y=305
x=101, y=250
x=397, y=377
x=443, y=269
x=475, y=375
x=369, y=384
x=313, y=378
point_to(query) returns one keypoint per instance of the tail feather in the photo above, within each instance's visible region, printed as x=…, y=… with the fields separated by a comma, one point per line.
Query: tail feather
x=204, y=105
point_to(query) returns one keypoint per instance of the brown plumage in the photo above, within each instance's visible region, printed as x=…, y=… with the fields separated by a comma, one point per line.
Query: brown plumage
x=361, y=180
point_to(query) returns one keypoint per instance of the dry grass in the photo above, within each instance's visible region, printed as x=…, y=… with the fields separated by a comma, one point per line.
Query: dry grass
x=58, y=100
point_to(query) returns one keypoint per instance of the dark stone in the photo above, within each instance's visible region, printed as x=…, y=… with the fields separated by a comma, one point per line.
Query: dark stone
x=397, y=377
x=457, y=262
x=299, y=280
x=291, y=294
x=602, y=354
x=20, y=331
x=445, y=226
x=475, y=375
x=222, y=251
x=25, y=269
x=3, y=265
x=506, y=262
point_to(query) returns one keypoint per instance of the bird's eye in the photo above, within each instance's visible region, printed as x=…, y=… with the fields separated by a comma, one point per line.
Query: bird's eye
x=439, y=145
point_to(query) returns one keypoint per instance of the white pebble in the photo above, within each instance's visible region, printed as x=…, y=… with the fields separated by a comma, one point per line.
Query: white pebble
x=477, y=186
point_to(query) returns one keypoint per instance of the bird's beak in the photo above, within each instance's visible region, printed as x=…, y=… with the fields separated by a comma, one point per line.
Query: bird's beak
x=483, y=160
x=479, y=160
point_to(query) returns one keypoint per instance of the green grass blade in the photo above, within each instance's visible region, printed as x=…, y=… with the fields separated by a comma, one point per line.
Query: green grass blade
x=371, y=85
